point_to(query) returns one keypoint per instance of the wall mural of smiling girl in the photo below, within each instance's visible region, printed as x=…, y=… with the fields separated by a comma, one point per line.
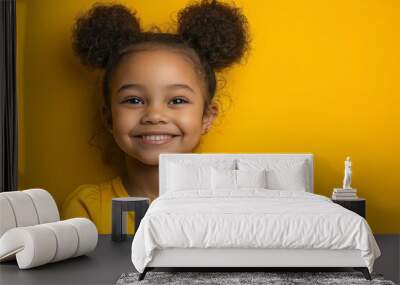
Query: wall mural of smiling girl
x=158, y=91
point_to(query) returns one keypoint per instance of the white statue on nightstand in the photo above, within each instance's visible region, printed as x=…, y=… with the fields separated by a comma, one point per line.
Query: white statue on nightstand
x=347, y=174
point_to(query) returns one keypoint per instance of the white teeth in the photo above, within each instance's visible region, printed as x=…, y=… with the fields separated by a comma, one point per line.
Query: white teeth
x=157, y=137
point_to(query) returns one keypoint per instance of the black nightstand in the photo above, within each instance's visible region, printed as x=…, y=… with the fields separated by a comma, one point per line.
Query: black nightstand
x=120, y=206
x=357, y=206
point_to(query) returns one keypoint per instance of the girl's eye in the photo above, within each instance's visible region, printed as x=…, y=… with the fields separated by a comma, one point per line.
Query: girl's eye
x=179, y=101
x=133, y=100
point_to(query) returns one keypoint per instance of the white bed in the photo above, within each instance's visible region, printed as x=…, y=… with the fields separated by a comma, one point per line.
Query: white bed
x=248, y=227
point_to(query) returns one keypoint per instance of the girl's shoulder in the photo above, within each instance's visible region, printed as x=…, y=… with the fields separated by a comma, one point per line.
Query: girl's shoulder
x=89, y=195
x=91, y=191
x=84, y=192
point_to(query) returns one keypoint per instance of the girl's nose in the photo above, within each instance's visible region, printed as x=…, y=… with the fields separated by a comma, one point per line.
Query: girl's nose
x=154, y=114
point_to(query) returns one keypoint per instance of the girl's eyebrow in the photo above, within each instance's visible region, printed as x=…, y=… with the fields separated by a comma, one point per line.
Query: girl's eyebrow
x=141, y=87
x=180, y=86
x=131, y=86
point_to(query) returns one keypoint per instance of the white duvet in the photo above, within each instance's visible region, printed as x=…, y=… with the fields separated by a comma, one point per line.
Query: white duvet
x=251, y=218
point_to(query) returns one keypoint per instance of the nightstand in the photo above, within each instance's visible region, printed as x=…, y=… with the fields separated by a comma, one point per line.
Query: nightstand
x=119, y=208
x=357, y=206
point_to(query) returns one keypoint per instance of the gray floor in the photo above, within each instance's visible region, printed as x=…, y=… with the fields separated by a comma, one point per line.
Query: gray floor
x=389, y=262
x=110, y=260
x=102, y=266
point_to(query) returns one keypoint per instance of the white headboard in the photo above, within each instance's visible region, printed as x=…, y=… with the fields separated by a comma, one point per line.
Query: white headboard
x=165, y=157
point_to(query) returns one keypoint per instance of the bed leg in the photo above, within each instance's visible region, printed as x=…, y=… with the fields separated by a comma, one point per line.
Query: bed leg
x=143, y=274
x=364, y=271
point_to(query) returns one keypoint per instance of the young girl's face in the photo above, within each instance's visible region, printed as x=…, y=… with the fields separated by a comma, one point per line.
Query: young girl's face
x=157, y=103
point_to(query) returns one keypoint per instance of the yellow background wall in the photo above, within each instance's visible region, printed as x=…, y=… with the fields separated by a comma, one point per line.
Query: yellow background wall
x=322, y=78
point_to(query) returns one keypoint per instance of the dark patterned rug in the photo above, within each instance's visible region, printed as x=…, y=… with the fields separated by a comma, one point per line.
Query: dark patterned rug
x=229, y=278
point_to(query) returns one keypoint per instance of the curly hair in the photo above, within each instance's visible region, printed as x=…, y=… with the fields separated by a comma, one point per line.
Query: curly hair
x=213, y=34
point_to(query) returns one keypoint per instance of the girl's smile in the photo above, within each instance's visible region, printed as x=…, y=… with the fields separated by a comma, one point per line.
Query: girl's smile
x=156, y=138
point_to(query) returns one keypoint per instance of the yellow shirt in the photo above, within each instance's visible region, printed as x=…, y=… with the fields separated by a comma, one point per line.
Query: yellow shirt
x=94, y=202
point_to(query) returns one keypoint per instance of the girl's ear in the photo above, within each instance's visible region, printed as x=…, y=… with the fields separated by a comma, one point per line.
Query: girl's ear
x=106, y=117
x=209, y=116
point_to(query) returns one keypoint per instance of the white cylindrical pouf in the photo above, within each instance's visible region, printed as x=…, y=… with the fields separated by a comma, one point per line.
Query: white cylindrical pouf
x=34, y=245
x=45, y=205
x=87, y=234
x=23, y=208
x=7, y=218
x=67, y=239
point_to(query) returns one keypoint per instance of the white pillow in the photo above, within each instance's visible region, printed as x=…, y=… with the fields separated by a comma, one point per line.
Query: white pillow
x=282, y=174
x=289, y=179
x=251, y=178
x=236, y=179
x=223, y=179
x=182, y=178
x=188, y=175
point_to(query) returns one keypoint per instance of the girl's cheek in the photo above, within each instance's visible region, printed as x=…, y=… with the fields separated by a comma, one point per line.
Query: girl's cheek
x=191, y=121
x=124, y=120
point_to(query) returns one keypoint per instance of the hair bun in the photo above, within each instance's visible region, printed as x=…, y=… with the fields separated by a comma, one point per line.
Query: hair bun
x=216, y=30
x=103, y=30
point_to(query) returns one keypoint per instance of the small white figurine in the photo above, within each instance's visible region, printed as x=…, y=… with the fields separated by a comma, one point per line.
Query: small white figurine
x=347, y=173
